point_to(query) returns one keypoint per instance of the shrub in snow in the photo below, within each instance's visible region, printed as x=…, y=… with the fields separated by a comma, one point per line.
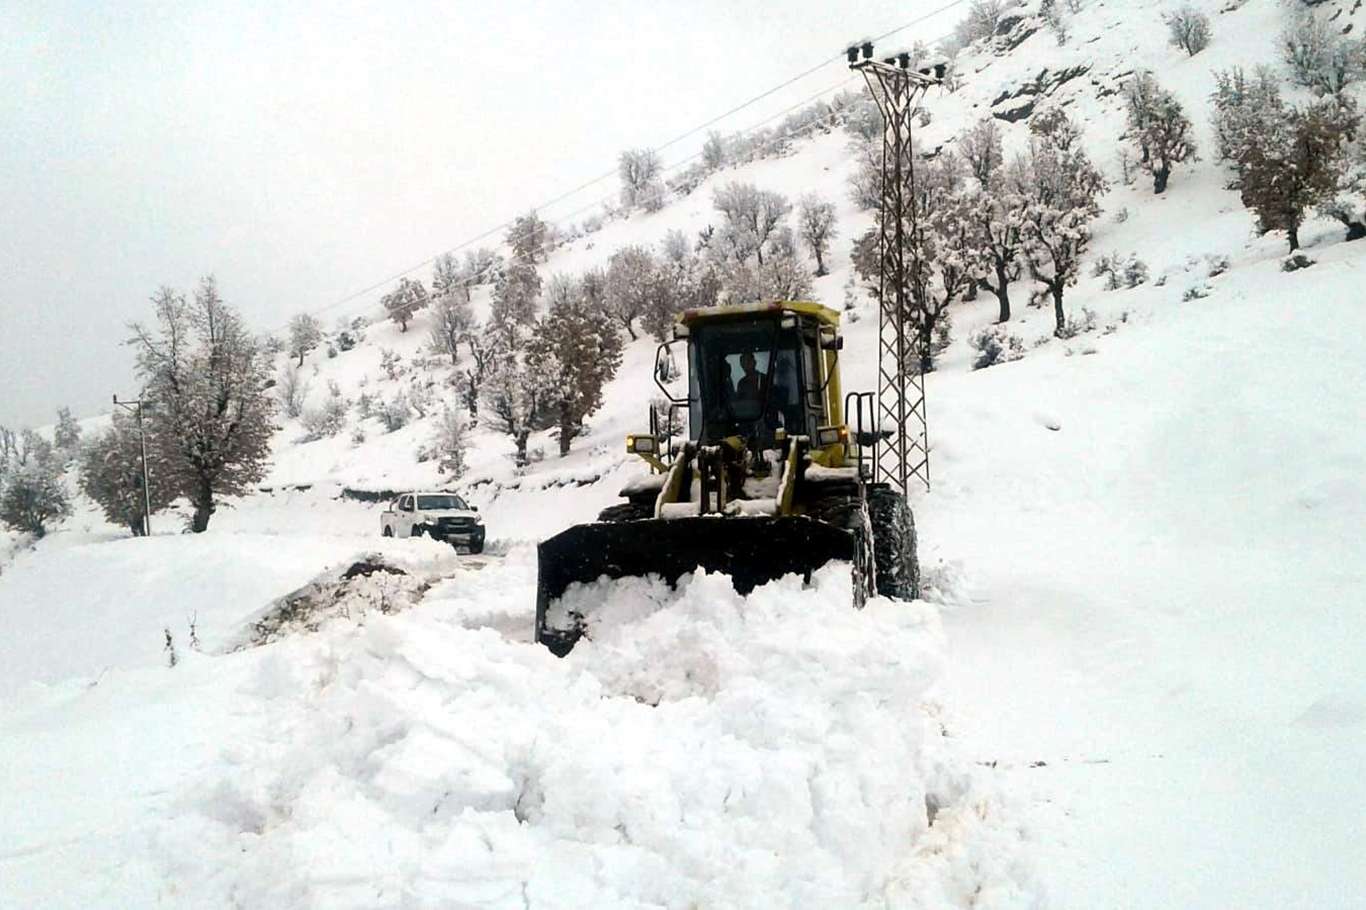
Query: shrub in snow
x=358, y=436
x=1075, y=327
x=1159, y=127
x=1216, y=264
x=111, y=475
x=1188, y=29
x=1296, y=262
x=211, y=417
x=1120, y=271
x=1196, y=292
x=33, y=496
x=327, y=420
x=391, y=362
x=995, y=345
x=395, y=413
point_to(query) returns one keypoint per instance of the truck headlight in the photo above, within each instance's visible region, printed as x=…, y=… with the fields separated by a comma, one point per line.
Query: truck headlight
x=642, y=444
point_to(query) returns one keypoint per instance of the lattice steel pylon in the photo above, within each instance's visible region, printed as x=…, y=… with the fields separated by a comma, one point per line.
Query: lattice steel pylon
x=904, y=454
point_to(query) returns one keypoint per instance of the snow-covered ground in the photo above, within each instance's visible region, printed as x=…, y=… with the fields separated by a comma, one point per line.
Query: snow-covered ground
x=1137, y=679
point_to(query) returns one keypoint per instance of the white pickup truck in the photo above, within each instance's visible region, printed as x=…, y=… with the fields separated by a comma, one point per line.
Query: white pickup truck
x=441, y=516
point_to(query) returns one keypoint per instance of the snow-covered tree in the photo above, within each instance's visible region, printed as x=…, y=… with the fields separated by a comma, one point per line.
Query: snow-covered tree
x=1297, y=164
x=209, y=410
x=631, y=286
x=686, y=282
x=783, y=275
x=1349, y=205
x=1061, y=191
x=448, y=444
x=482, y=346
x=529, y=239
x=816, y=218
x=1188, y=29
x=448, y=278
x=982, y=151
x=305, y=332
x=713, y=152
x=452, y=318
x=641, y=185
x=576, y=351
x=33, y=497
x=751, y=216
x=403, y=302
x=1158, y=127
x=513, y=392
x=995, y=209
x=1320, y=58
x=1245, y=109
x=980, y=22
x=939, y=256
x=481, y=266
x=292, y=390
x=67, y=434
x=111, y=475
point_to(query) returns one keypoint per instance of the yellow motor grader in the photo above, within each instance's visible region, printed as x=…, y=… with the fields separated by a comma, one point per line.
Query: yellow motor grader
x=766, y=478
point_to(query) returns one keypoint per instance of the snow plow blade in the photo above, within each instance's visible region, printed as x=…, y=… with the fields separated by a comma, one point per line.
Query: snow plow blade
x=751, y=550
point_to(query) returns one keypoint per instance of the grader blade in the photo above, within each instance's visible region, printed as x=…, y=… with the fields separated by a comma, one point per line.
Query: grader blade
x=751, y=550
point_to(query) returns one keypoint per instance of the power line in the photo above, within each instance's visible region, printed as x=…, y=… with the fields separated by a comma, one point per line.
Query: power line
x=693, y=131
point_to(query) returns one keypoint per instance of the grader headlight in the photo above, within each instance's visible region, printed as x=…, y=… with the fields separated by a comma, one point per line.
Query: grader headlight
x=642, y=444
x=833, y=435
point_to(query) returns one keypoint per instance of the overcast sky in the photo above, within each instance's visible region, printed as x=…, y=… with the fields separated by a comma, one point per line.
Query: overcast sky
x=301, y=152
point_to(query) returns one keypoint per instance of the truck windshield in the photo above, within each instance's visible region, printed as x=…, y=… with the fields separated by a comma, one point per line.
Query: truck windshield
x=444, y=501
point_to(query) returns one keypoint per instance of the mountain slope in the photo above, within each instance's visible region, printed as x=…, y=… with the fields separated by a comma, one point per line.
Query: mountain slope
x=1143, y=543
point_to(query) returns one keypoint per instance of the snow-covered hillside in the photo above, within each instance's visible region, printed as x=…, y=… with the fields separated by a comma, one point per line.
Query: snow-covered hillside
x=1136, y=679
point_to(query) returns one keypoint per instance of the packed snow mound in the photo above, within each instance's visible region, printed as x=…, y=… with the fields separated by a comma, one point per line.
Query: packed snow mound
x=705, y=749
x=78, y=609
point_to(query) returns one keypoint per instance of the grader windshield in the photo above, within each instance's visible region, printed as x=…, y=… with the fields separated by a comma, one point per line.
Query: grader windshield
x=749, y=377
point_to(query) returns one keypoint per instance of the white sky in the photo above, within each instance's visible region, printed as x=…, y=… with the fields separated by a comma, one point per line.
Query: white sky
x=303, y=151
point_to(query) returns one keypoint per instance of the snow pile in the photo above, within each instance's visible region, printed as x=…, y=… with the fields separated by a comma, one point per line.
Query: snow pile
x=705, y=750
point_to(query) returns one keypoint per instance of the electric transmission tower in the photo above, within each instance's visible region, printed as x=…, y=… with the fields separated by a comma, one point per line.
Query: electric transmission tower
x=897, y=88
